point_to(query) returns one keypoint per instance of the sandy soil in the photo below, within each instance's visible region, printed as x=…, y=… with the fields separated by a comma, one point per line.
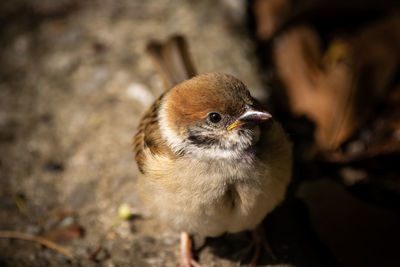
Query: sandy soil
x=74, y=82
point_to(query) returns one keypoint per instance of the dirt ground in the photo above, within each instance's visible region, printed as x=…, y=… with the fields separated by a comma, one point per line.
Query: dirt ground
x=74, y=82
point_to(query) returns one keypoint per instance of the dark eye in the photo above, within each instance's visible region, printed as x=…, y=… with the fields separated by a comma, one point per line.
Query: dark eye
x=214, y=117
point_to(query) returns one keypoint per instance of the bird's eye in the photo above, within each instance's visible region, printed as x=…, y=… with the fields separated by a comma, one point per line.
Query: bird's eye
x=214, y=117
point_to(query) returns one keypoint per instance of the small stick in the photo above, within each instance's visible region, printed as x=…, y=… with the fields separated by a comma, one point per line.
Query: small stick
x=41, y=240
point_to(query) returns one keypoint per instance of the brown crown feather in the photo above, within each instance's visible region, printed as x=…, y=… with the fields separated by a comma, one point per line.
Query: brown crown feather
x=189, y=102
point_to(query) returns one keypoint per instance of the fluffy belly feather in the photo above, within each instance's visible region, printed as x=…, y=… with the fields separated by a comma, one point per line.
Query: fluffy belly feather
x=205, y=201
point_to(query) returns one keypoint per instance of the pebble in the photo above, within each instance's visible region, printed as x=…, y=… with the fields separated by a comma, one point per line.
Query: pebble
x=352, y=176
x=140, y=93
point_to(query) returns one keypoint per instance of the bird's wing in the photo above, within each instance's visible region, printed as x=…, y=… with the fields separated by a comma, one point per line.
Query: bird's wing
x=173, y=63
x=149, y=137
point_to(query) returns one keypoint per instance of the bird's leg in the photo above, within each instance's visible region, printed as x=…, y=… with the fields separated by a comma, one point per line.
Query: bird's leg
x=187, y=259
x=259, y=241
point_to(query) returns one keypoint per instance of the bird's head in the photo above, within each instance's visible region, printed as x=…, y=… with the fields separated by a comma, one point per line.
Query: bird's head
x=211, y=116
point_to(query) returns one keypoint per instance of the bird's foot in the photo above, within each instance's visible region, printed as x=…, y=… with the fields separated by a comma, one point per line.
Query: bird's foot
x=259, y=241
x=187, y=259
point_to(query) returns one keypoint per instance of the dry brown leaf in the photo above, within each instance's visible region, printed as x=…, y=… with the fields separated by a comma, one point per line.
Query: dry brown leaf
x=380, y=138
x=269, y=15
x=339, y=89
x=66, y=233
x=313, y=91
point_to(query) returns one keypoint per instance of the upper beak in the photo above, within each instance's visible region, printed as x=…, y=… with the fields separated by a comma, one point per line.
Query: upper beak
x=251, y=115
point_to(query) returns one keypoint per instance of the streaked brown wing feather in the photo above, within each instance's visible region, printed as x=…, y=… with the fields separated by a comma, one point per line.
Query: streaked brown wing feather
x=172, y=60
x=149, y=136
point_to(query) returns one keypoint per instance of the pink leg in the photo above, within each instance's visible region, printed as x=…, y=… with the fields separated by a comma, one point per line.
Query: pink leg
x=186, y=252
x=258, y=242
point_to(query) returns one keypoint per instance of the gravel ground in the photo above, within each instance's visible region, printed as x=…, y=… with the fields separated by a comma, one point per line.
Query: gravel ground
x=74, y=83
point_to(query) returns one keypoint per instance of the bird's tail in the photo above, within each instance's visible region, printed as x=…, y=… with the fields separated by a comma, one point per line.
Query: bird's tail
x=172, y=60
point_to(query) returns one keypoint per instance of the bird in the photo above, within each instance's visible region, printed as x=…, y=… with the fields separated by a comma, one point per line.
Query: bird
x=211, y=160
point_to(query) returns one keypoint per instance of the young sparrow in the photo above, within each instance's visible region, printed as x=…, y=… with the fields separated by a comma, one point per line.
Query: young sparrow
x=211, y=160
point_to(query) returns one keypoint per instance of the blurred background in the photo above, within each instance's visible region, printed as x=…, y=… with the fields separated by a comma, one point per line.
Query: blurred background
x=75, y=81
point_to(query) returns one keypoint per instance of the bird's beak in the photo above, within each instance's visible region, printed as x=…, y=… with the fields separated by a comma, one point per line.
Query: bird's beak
x=251, y=115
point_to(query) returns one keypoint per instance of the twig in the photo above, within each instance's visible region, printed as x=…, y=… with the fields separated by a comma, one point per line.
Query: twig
x=41, y=240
